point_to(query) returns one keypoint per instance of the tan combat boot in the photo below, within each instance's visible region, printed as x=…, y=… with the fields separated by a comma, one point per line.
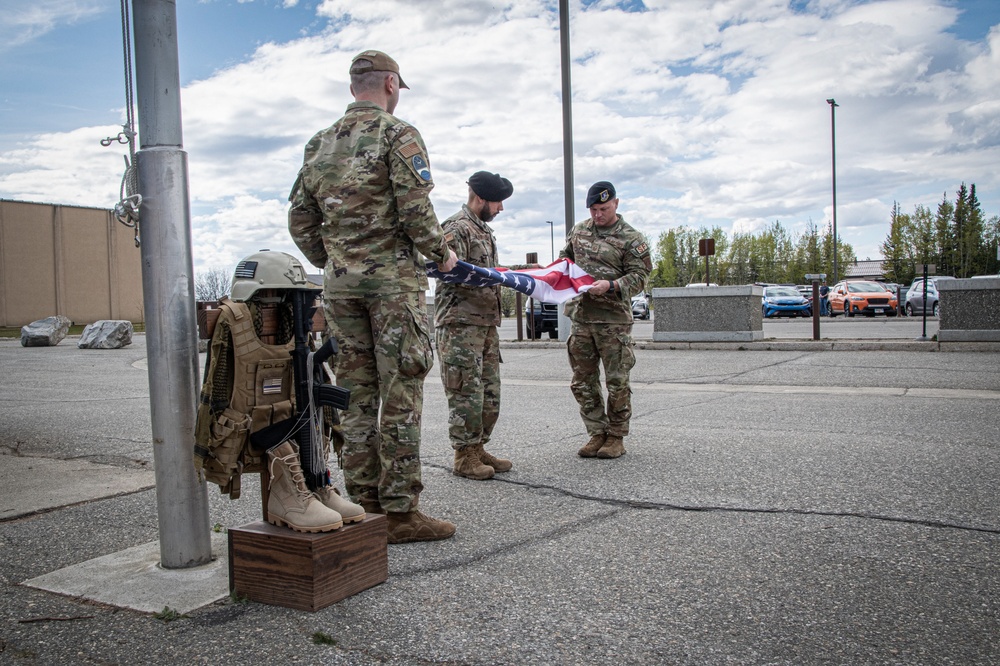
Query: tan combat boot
x=349, y=511
x=613, y=448
x=415, y=526
x=467, y=464
x=290, y=503
x=591, y=448
x=487, y=458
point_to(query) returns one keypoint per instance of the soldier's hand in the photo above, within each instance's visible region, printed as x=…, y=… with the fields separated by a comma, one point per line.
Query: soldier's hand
x=449, y=263
x=600, y=287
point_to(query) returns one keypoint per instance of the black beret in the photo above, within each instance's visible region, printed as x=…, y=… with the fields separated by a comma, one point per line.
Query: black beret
x=600, y=192
x=490, y=186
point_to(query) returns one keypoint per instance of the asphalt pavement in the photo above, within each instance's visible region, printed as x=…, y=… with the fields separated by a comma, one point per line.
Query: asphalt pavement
x=774, y=507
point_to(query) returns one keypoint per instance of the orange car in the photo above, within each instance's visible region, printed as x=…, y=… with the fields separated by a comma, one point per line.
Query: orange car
x=851, y=297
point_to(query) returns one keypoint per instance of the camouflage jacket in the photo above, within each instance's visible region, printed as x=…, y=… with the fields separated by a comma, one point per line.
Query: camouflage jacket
x=360, y=207
x=473, y=241
x=618, y=252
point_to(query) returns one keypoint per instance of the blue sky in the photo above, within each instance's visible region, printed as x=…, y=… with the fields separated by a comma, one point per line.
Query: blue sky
x=702, y=112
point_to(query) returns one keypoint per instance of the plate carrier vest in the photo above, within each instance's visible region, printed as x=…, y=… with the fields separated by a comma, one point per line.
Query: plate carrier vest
x=262, y=394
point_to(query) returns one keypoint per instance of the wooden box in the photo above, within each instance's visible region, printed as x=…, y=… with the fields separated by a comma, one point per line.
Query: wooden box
x=282, y=567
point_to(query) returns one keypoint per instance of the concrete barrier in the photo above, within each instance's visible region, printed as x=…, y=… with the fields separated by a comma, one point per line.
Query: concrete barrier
x=708, y=314
x=970, y=310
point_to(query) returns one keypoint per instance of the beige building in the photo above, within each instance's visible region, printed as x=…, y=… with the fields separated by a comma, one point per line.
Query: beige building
x=69, y=260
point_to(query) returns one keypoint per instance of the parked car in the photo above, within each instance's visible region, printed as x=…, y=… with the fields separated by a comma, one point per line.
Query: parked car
x=784, y=301
x=852, y=297
x=640, y=306
x=915, y=296
x=806, y=290
x=701, y=284
x=546, y=318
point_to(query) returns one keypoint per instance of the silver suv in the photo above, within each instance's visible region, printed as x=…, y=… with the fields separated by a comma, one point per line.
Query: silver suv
x=915, y=296
x=640, y=306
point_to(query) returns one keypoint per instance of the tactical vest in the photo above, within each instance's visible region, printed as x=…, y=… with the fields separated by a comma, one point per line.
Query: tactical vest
x=262, y=394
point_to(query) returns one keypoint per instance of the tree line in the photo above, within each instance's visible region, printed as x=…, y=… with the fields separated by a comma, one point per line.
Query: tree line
x=770, y=255
x=956, y=238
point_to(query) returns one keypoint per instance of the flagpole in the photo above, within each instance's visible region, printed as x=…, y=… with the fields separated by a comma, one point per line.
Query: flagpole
x=567, y=115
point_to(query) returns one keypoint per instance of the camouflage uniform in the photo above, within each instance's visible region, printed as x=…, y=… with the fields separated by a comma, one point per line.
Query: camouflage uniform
x=602, y=325
x=360, y=208
x=467, y=340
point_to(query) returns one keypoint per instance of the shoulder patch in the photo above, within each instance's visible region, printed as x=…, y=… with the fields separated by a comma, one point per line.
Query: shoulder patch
x=409, y=150
x=640, y=249
x=421, y=167
x=449, y=237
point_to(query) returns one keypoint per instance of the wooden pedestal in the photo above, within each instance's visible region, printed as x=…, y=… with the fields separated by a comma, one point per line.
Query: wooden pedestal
x=282, y=567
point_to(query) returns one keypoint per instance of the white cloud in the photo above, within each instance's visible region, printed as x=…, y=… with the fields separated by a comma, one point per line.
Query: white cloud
x=702, y=113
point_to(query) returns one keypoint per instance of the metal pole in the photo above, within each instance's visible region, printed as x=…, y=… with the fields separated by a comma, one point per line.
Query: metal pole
x=552, y=238
x=168, y=288
x=567, y=114
x=833, y=153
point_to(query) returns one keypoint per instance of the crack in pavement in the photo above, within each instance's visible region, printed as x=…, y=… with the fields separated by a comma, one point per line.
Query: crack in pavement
x=694, y=508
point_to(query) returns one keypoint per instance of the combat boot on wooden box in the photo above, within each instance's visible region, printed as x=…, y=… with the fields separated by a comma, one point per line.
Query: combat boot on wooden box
x=290, y=502
x=348, y=510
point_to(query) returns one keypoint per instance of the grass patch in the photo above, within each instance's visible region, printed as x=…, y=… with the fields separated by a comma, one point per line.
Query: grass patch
x=319, y=638
x=168, y=614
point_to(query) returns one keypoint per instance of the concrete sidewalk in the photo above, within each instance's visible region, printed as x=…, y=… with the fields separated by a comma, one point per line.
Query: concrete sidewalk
x=774, y=507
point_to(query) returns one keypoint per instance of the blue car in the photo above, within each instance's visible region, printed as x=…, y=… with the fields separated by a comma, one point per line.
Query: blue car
x=784, y=301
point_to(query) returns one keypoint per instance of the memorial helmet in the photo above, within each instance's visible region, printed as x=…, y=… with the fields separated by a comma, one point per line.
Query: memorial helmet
x=267, y=270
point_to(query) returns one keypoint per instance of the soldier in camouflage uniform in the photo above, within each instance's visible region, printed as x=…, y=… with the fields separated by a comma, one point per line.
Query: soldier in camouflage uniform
x=617, y=256
x=465, y=326
x=360, y=208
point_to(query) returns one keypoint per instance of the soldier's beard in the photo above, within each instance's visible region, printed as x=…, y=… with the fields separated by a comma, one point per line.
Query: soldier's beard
x=484, y=213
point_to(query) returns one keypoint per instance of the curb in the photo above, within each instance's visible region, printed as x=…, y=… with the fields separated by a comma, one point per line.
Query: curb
x=789, y=345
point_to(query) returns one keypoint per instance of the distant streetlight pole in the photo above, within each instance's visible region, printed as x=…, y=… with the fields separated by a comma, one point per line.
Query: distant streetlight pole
x=552, y=237
x=833, y=152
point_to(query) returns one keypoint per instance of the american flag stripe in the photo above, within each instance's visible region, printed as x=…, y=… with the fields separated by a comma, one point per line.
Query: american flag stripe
x=556, y=283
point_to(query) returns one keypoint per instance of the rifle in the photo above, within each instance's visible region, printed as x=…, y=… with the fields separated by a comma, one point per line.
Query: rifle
x=311, y=394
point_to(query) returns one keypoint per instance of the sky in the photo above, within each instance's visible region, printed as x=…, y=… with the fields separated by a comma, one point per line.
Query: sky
x=702, y=113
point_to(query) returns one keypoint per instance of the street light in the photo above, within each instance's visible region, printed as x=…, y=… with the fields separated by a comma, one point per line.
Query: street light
x=833, y=152
x=552, y=237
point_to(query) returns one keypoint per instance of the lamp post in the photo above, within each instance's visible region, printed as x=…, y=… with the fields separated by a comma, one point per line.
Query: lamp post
x=833, y=152
x=552, y=237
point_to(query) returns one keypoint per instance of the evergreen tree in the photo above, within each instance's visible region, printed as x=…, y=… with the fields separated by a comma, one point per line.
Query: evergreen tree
x=944, y=238
x=897, y=249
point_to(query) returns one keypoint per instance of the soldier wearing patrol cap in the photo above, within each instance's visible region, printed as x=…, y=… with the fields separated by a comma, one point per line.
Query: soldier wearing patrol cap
x=360, y=209
x=465, y=327
x=617, y=256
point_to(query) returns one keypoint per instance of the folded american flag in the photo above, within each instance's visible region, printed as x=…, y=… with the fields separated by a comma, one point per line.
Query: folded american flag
x=556, y=283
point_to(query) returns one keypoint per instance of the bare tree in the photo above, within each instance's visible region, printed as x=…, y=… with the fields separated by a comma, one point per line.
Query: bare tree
x=212, y=285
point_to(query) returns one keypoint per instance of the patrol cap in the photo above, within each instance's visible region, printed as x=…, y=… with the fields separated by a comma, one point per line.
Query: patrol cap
x=490, y=186
x=380, y=63
x=600, y=192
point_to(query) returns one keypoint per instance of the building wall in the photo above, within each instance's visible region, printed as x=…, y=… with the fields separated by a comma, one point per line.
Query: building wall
x=69, y=260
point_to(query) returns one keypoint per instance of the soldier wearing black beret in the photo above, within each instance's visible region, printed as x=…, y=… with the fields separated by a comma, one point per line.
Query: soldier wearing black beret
x=617, y=256
x=465, y=326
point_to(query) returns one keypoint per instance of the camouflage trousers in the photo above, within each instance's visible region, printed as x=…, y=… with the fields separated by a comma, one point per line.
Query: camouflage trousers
x=470, y=371
x=385, y=353
x=590, y=345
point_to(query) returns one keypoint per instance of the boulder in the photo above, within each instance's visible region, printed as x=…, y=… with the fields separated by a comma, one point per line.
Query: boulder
x=46, y=332
x=106, y=334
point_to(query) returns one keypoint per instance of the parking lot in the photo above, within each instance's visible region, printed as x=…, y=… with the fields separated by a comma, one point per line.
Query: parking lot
x=774, y=507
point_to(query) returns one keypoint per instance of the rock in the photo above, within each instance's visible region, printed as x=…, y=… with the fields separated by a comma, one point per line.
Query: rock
x=46, y=332
x=106, y=334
